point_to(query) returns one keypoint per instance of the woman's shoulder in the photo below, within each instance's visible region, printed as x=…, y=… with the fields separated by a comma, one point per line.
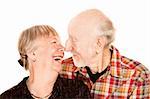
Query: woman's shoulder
x=9, y=93
x=16, y=91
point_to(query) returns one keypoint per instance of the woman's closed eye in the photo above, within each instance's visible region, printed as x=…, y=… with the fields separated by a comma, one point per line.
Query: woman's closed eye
x=53, y=42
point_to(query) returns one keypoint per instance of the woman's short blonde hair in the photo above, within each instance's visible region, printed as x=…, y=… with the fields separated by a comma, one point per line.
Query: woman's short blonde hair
x=27, y=38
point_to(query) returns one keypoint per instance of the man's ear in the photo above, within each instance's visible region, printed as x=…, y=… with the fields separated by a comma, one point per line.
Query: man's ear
x=101, y=42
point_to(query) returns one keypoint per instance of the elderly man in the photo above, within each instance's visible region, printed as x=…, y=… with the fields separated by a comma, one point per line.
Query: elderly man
x=103, y=69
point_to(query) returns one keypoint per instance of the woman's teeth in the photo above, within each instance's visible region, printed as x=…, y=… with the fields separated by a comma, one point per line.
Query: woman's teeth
x=57, y=58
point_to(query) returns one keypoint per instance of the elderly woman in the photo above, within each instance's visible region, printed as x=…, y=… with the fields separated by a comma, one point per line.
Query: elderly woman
x=41, y=53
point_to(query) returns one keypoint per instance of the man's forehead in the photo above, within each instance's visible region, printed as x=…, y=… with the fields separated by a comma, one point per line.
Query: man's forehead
x=82, y=36
x=88, y=16
x=81, y=31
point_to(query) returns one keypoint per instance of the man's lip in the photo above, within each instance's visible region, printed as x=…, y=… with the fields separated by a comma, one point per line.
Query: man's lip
x=74, y=54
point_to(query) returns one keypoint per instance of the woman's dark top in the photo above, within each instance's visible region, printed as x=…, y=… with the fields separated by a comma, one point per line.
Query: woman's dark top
x=63, y=89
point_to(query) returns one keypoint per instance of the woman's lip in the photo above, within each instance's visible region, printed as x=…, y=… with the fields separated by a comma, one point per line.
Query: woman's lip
x=59, y=56
x=75, y=55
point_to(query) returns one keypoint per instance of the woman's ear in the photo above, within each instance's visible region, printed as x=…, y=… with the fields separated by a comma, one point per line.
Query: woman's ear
x=32, y=56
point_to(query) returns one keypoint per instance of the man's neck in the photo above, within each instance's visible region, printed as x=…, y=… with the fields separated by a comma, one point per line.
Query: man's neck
x=101, y=61
x=106, y=58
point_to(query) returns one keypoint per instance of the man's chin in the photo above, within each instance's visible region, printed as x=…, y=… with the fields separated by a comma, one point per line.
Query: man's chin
x=78, y=62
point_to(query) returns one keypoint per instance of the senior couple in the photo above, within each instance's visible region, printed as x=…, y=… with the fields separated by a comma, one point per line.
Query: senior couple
x=95, y=70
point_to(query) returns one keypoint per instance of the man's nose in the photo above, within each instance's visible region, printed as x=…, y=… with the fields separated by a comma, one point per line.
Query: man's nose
x=68, y=46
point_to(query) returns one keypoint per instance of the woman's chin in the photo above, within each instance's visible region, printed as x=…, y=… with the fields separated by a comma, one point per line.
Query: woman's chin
x=58, y=69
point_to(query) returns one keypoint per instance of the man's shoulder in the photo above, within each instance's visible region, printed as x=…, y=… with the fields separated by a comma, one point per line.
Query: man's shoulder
x=137, y=68
x=132, y=64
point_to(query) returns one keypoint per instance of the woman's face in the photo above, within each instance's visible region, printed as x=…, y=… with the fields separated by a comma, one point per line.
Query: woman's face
x=49, y=53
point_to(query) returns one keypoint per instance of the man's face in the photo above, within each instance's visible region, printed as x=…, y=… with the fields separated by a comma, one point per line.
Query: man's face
x=82, y=43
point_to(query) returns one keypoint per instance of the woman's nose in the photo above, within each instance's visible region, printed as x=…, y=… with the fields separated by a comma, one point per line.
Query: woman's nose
x=61, y=48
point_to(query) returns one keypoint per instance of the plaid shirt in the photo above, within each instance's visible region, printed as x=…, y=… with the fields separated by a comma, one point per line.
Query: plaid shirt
x=124, y=78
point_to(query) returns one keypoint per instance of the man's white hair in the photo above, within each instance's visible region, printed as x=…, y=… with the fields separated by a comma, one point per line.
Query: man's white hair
x=103, y=23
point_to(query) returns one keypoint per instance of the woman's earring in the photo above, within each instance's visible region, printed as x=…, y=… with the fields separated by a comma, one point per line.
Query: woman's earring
x=97, y=52
x=34, y=59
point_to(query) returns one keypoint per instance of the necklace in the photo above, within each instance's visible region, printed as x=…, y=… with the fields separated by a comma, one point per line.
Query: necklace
x=34, y=96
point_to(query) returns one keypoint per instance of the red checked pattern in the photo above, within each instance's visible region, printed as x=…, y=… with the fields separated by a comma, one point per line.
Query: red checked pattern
x=124, y=79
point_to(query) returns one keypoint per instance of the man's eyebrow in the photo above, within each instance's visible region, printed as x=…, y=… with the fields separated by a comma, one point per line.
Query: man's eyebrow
x=70, y=36
x=73, y=38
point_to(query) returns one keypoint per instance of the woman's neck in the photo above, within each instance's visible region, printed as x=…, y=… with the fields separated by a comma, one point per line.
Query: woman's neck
x=40, y=82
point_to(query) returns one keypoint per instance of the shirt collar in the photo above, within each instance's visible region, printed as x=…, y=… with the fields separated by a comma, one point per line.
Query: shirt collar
x=115, y=66
x=115, y=63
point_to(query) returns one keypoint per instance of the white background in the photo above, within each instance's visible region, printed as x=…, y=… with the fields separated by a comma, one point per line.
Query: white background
x=131, y=19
